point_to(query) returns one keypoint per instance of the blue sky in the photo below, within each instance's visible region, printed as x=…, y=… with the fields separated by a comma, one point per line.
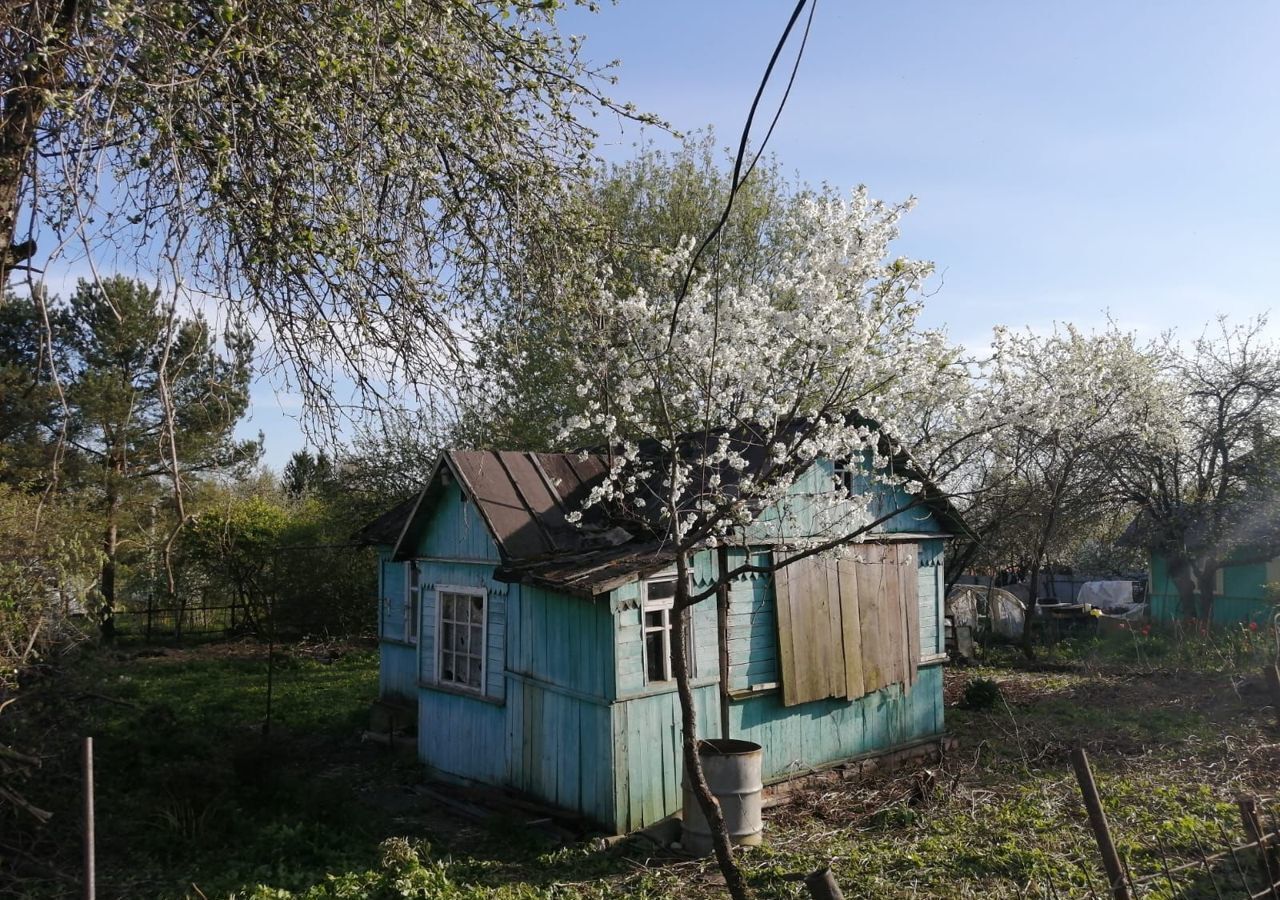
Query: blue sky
x=1070, y=159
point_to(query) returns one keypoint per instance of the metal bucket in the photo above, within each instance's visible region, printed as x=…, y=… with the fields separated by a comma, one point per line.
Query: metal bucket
x=733, y=772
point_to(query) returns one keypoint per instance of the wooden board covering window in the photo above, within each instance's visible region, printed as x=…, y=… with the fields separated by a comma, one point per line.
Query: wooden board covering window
x=850, y=626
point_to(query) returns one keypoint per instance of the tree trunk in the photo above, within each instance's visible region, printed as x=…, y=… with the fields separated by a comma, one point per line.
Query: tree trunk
x=1180, y=575
x=110, y=546
x=44, y=29
x=110, y=550
x=1207, y=582
x=733, y=879
x=1029, y=618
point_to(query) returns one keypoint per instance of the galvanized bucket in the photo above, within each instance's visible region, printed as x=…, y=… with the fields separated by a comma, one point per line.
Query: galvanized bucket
x=733, y=771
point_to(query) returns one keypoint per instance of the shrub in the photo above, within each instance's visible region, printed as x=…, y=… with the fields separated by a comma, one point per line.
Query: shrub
x=980, y=693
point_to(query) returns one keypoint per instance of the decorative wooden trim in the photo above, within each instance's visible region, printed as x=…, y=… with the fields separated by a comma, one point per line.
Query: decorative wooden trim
x=459, y=560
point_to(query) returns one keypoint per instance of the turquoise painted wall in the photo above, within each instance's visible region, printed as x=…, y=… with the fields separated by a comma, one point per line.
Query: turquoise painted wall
x=460, y=733
x=565, y=714
x=646, y=721
x=560, y=683
x=397, y=661
x=1243, y=597
x=800, y=516
x=796, y=739
x=542, y=723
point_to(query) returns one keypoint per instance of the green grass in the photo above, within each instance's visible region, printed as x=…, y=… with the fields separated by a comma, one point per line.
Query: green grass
x=193, y=801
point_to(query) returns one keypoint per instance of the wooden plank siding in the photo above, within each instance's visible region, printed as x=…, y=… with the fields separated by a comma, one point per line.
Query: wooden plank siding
x=397, y=661
x=391, y=577
x=566, y=715
x=397, y=672
x=646, y=721
x=543, y=723
x=646, y=737
x=1243, y=598
x=931, y=591
x=876, y=587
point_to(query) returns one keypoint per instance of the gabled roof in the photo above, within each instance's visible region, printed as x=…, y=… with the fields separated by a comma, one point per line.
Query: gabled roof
x=524, y=497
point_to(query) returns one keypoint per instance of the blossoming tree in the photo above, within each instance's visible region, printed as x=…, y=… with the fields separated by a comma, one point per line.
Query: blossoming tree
x=1068, y=405
x=714, y=401
x=1207, y=484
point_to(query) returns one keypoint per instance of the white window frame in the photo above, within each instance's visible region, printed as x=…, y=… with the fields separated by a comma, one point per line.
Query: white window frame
x=844, y=473
x=666, y=606
x=412, y=601
x=465, y=591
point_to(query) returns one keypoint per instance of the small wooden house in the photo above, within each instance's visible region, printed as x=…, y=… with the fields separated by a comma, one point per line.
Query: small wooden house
x=537, y=653
x=1240, y=590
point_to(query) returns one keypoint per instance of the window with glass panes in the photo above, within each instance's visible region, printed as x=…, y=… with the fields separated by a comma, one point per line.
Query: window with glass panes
x=461, y=644
x=659, y=598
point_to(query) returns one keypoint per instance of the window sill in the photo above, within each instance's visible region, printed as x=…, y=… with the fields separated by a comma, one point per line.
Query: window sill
x=398, y=642
x=460, y=692
x=773, y=687
x=653, y=689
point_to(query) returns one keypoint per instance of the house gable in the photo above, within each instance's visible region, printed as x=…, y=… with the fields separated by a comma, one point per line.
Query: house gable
x=808, y=512
x=446, y=524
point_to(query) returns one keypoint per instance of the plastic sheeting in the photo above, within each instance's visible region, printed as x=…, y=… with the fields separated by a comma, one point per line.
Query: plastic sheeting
x=1110, y=596
x=968, y=604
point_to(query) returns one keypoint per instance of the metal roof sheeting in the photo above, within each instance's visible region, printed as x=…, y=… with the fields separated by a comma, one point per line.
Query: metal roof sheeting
x=524, y=498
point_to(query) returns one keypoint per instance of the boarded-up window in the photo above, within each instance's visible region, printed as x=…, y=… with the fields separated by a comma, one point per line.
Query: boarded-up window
x=850, y=626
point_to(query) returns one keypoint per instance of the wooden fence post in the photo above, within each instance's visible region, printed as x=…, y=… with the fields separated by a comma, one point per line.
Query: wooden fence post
x=1098, y=822
x=90, y=887
x=1253, y=828
x=822, y=885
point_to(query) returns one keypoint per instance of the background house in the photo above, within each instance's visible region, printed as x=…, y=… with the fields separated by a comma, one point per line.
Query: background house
x=1249, y=540
x=1240, y=591
x=537, y=653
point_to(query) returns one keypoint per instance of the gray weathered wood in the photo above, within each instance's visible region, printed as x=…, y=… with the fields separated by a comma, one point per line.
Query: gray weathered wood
x=786, y=653
x=1098, y=822
x=834, y=636
x=870, y=602
x=822, y=885
x=722, y=639
x=891, y=626
x=1253, y=827
x=90, y=868
x=851, y=629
